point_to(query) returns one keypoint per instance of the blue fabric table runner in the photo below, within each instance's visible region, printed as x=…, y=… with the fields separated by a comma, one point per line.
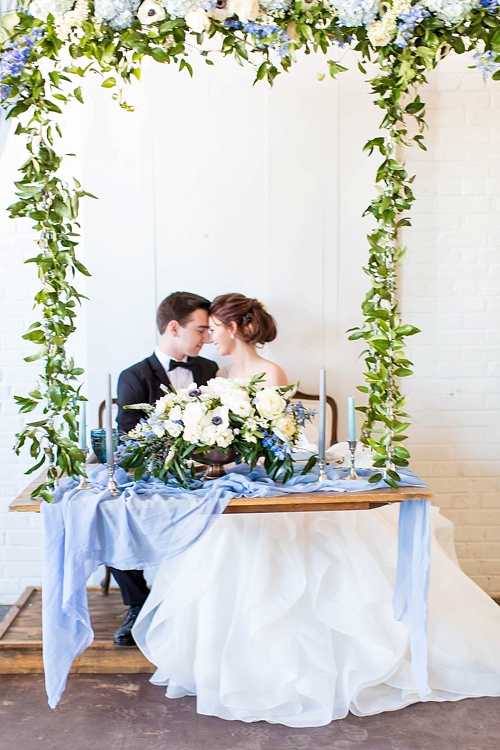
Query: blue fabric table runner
x=151, y=521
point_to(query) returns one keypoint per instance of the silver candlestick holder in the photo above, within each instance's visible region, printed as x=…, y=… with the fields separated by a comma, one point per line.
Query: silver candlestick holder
x=112, y=488
x=321, y=465
x=84, y=485
x=352, y=454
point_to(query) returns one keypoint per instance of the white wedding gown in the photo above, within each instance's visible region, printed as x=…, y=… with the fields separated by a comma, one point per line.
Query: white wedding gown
x=288, y=618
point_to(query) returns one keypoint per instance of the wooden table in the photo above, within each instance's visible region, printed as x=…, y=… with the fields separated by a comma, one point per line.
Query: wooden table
x=309, y=501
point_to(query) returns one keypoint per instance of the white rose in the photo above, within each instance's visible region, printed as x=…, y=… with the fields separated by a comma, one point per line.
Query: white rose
x=164, y=403
x=158, y=429
x=192, y=433
x=284, y=427
x=173, y=428
x=225, y=438
x=193, y=413
x=150, y=11
x=238, y=402
x=270, y=404
x=175, y=414
x=197, y=20
x=209, y=435
x=217, y=386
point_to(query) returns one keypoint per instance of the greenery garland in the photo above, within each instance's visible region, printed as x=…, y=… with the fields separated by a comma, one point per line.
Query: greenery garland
x=48, y=45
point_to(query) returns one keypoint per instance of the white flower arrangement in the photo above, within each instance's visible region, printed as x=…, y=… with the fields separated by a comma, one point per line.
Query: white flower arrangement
x=239, y=414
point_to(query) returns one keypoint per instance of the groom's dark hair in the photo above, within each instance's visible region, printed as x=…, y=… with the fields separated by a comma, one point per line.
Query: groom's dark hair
x=179, y=306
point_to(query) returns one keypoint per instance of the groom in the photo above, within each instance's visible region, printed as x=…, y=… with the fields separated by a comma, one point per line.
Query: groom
x=182, y=320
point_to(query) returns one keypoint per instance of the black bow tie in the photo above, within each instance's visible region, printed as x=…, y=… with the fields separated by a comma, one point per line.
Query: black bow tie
x=174, y=363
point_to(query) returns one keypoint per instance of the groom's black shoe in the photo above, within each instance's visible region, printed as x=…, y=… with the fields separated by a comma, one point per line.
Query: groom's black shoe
x=123, y=636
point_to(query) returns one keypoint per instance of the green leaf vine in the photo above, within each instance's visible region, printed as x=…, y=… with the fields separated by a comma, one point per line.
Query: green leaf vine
x=57, y=51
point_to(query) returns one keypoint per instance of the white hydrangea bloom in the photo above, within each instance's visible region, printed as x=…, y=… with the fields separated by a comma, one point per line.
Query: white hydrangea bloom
x=355, y=12
x=451, y=11
x=275, y=6
x=180, y=8
x=57, y=8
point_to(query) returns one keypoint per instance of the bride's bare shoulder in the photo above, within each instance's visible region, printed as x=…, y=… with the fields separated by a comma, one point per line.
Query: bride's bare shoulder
x=223, y=372
x=275, y=375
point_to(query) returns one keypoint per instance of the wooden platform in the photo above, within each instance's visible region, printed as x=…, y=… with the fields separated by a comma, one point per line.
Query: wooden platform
x=21, y=638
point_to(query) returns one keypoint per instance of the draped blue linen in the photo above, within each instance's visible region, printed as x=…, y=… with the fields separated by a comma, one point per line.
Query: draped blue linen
x=151, y=521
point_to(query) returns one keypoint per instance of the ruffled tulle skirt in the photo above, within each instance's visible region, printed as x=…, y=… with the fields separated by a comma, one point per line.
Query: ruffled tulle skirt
x=288, y=618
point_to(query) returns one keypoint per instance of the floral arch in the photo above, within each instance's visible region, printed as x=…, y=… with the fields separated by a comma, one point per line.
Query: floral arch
x=48, y=46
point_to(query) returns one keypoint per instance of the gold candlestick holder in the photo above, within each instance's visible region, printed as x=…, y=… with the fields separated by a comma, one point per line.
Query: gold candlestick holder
x=84, y=485
x=112, y=488
x=352, y=453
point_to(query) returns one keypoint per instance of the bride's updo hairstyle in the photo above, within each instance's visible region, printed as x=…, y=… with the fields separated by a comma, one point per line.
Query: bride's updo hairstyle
x=253, y=322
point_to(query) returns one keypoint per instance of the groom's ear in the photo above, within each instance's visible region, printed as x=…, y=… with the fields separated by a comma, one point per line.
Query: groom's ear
x=173, y=328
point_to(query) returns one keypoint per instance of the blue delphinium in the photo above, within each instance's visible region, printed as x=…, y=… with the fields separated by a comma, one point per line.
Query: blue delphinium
x=13, y=60
x=278, y=447
x=486, y=63
x=408, y=21
x=492, y=5
x=118, y=13
x=275, y=36
x=302, y=414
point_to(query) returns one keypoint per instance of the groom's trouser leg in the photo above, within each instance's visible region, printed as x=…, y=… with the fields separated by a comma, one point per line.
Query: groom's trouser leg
x=133, y=586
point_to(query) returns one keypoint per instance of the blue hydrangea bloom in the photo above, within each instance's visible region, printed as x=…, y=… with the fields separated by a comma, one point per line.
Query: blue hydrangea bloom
x=452, y=11
x=118, y=13
x=356, y=12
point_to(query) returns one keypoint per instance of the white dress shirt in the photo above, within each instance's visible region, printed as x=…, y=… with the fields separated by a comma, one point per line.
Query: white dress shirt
x=180, y=377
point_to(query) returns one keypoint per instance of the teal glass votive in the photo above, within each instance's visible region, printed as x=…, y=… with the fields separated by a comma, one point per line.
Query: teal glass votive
x=98, y=442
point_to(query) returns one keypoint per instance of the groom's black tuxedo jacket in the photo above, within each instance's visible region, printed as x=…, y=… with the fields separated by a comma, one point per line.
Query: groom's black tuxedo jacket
x=140, y=384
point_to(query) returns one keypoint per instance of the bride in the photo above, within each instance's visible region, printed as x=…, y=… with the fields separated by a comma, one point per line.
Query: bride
x=288, y=617
x=238, y=325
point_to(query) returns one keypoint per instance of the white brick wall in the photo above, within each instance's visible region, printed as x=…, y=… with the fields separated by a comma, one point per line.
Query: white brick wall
x=20, y=538
x=451, y=289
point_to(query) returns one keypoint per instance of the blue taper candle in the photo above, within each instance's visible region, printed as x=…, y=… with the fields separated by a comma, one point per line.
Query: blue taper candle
x=82, y=431
x=110, y=459
x=322, y=413
x=351, y=419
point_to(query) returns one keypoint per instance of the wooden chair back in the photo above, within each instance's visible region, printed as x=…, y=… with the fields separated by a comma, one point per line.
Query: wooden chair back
x=100, y=414
x=311, y=401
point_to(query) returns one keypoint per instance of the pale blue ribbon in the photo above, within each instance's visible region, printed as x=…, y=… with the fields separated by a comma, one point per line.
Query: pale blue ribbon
x=150, y=521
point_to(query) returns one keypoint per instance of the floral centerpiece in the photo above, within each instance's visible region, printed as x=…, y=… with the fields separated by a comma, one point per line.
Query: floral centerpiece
x=229, y=415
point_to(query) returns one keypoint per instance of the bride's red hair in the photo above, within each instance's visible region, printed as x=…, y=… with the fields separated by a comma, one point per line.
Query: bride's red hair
x=254, y=324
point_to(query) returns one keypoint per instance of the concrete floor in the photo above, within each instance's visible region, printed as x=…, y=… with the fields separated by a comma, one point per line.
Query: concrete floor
x=126, y=712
